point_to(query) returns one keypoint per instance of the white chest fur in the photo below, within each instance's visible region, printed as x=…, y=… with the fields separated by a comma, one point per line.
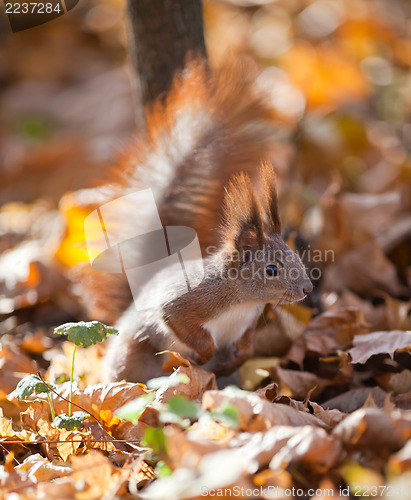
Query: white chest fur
x=231, y=324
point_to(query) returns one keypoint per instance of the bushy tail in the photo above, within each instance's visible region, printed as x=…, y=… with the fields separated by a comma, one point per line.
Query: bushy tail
x=210, y=126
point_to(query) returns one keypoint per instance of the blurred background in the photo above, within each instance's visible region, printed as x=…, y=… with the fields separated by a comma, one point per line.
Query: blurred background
x=337, y=77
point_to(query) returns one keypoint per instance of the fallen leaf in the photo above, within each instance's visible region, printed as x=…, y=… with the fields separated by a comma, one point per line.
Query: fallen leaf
x=348, y=271
x=327, y=333
x=200, y=379
x=354, y=399
x=400, y=383
x=375, y=429
x=42, y=469
x=186, y=450
x=311, y=446
x=298, y=384
x=370, y=344
x=401, y=461
x=255, y=413
x=95, y=477
x=14, y=365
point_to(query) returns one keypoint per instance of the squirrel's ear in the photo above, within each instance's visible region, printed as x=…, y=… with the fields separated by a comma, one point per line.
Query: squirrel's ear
x=242, y=221
x=268, y=196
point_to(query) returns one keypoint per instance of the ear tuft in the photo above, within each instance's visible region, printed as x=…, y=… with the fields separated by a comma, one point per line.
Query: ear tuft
x=242, y=220
x=268, y=196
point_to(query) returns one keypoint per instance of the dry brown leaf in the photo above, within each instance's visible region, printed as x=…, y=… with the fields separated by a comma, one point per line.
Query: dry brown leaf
x=330, y=417
x=311, y=446
x=209, y=430
x=60, y=489
x=357, y=218
x=400, y=383
x=102, y=400
x=14, y=365
x=221, y=469
x=8, y=431
x=98, y=399
x=13, y=480
x=403, y=401
x=349, y=271
x=130, y=432
x=186, y=449
x=375, y=429
x=200, y=379
x=36, y=416
x=255, y=370
x=270, y=478
x=375, y=316
x=35, y=343
x=277, y=331
x=328, y=333
x=369, y=214
x=354, y=399
x=327, y=489
x=69, y=443
x=255, y=413
x=260, y=447
x=298, y=384
x=367, y=345
x=269, y=392
x=42, y=469
x=100, y=438
x=401, y=460
x=63, y=443
x=97, y=477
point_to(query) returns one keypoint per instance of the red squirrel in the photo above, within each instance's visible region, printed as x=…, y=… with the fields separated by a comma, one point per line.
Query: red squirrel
x=200, y=153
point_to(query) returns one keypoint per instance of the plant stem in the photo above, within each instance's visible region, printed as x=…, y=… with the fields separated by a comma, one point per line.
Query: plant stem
x=72, y=379
x=53, y=415
x=67, y=401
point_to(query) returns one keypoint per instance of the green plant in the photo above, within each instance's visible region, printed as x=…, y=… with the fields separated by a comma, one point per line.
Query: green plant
x=33, y=383
x=83, y=334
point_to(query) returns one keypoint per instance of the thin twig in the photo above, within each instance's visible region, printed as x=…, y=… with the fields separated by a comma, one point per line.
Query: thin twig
x=67, y=401
x=69, y=441
x=8, y=452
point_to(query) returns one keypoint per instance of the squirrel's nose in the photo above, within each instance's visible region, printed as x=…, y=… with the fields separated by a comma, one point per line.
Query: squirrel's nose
x=307, y=287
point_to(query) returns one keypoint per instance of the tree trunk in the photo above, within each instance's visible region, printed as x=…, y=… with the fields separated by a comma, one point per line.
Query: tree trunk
x=163, y=33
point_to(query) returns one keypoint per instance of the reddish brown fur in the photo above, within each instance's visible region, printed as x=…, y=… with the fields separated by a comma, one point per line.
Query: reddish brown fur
x=242, y=218
x=238, y=137
x=268, y=197
x=235, y=140
x=249, y=214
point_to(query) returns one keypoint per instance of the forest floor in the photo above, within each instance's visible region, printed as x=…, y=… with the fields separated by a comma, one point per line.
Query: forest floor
x=324, y=408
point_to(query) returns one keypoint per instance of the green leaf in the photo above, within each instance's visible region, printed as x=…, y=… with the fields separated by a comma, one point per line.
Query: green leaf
x=63, y=421
x=183, y=407
x=30, y=384
x=162, y=469
x=86, y=333
x=132, y=410
x=227, y=414
x=173, y=380
x=155, y=439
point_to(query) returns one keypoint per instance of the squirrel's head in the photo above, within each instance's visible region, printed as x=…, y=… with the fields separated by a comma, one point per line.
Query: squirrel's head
x=263, y=266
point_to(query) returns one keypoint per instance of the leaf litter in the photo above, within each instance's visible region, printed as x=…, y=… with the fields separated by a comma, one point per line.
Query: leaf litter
x=328, y=399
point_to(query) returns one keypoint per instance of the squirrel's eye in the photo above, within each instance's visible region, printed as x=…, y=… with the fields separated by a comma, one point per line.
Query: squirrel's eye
x=272, y=271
